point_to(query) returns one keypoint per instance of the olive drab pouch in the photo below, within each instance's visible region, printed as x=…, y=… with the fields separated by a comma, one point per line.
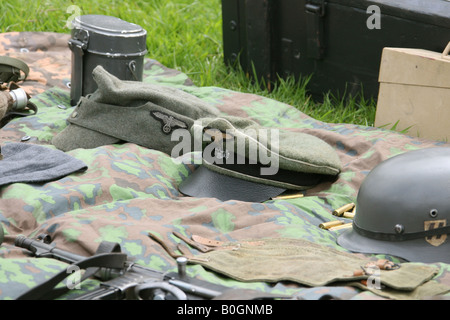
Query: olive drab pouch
x=310, y=264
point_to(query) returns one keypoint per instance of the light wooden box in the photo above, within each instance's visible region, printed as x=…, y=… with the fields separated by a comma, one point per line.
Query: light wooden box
x=414, y=93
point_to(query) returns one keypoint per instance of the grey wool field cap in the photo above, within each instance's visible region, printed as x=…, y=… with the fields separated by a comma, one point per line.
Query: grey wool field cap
x=130, y=111
x=242, y=160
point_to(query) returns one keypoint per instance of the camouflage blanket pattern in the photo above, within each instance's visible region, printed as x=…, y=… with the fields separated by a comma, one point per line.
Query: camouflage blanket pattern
x=129, y=191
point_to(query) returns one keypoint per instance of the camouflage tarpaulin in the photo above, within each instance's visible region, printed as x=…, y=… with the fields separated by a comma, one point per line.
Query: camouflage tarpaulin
x=128, y=191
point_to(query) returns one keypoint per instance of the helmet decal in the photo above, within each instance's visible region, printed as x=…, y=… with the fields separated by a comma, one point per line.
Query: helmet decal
x=439, y=239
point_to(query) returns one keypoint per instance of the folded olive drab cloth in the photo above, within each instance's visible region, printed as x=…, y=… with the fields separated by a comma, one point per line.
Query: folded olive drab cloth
x=242, y=149
x=310, y=264
x=131, y=111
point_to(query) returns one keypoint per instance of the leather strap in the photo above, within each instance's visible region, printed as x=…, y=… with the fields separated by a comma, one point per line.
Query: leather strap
x=202, y=246
x=30, y=106
x=206, y=242
x=30, y=110
x=171, y=252
x=216, y=244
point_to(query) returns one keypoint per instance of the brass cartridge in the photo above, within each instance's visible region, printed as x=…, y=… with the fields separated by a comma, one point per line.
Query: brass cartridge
x=330, y=224
x=340, y=211
x=289, y=196
x=342, y=226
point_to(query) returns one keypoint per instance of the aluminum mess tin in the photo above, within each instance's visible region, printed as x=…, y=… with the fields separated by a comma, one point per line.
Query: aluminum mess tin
x=117, y=45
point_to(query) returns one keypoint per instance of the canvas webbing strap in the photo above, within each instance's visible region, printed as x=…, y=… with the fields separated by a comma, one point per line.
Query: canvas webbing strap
x=10, y=69
x=107, y=256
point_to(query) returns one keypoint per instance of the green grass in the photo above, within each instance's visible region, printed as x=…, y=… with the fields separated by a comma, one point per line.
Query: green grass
x=187, y=36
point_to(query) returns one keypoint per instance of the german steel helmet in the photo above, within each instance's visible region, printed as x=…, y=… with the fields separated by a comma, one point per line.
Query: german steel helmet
x=403, y=208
